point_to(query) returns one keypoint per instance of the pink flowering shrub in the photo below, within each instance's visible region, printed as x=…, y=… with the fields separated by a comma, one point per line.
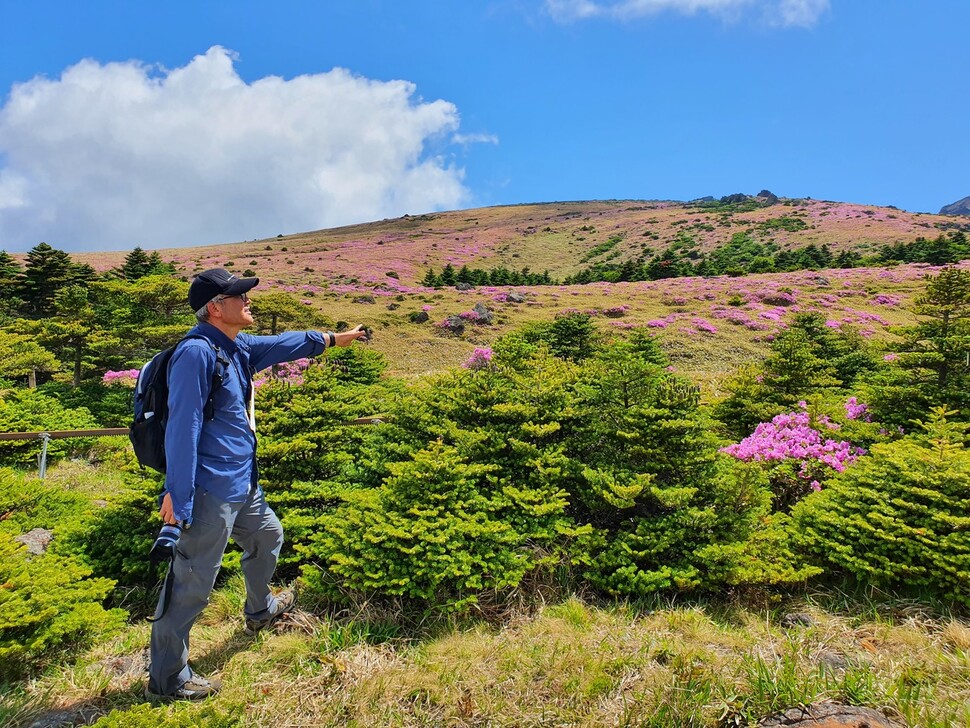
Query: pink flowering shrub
x=125, y=377
x=674, y=301
x=616, y=311
x=778, y=298
x=855, y=410
x=884, y=299
x=704, y=325
x=480, y=359
x=289, y=373
x=799, y=457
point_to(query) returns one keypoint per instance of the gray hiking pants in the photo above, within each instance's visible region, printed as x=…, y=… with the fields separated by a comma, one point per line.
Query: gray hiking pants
x=257, y=530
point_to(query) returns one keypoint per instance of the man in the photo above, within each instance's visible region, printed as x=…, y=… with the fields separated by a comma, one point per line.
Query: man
x=211, y=487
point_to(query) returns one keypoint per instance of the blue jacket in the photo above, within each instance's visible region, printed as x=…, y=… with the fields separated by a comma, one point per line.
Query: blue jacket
x=219, y=455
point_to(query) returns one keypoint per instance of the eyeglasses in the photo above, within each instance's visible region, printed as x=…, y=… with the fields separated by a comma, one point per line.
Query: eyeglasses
x=243, y=296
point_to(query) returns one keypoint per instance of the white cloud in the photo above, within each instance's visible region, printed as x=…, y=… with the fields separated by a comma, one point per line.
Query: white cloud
x=803, y=13
x=466, y=139
x=126, y=154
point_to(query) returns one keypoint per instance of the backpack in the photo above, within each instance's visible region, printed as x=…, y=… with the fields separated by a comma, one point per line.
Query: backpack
x=147, y=431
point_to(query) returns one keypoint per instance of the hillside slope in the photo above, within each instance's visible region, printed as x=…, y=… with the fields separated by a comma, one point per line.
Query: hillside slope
x=370, y=273
x=555, y=236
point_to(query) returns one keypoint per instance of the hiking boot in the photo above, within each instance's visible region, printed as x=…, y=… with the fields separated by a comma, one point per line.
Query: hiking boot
x=195, y=688
x=285, y=601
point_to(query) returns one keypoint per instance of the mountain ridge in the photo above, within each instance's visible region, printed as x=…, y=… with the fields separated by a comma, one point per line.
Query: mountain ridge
x=960, y=207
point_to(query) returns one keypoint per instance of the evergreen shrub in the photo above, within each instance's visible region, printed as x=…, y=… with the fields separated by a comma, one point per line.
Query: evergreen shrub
x=28, y=410
x=900, y=517
x=114, y=540
x=484, y=475
x=662, y=510
x=47, y=603
x=304, y=447
x=432, y=532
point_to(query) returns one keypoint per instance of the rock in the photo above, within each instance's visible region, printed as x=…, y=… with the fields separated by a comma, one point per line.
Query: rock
x=797, y=619
x=485, y=315
x=84, y=715
x=454, y=323
x=832, y=660
x=515, y=297
x=366, y=298
x=829, y=715
x=418, y=317
x=821, y=281
x=960, y=207
x=464, y=287
x=393, y=306
x=37, y=540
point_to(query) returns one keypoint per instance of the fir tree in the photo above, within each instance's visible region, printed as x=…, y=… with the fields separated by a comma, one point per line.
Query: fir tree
x=137, y=265
x=10, y=269
x=47, y=271
x=430, y=280
x=933, y=368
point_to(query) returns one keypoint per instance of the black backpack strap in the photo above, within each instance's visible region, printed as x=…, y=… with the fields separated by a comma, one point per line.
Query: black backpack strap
x=218, y=376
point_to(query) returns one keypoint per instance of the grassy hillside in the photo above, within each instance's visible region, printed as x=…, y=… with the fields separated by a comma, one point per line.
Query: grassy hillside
x=544, y=655
x=569, y=662
x=370, y=273
x=552, y=236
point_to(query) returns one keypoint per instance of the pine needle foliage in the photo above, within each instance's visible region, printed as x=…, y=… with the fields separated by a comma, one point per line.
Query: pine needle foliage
x=899, y=518
x=933, y=364
x=485, y=475
x=47, y=602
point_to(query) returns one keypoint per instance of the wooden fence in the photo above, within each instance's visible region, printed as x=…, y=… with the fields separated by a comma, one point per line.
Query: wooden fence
x=46, y=437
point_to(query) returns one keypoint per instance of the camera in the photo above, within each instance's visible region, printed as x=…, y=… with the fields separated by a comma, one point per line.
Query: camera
x=165, y=543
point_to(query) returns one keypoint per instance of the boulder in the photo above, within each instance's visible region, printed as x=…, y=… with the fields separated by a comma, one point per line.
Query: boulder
x=797, y=619
x=454, y=323
x=515, y=297
x=829, y=715
x=464, y=286
x=37, y=540
x=485, y=315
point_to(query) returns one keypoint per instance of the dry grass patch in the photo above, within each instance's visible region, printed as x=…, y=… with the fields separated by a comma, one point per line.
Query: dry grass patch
x=567, y=663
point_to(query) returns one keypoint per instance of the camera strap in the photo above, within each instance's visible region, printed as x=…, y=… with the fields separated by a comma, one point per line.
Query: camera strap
x=166, y=587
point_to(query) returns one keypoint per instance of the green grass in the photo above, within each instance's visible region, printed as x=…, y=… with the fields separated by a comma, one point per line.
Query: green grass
x=563, y=661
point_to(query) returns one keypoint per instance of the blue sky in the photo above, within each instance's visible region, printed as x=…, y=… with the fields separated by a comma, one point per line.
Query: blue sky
x=190, y=123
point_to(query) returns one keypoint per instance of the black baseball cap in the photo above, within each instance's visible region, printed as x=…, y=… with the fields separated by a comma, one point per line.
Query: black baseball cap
x=217, y=282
